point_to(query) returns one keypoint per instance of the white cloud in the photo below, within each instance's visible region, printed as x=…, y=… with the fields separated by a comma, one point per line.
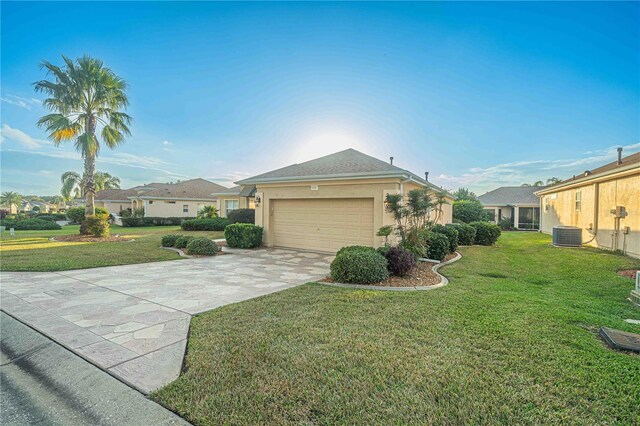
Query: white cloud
x=228, y=179
x=166, y=143
x=528, y=171
x=26, y=103
x=8, y=133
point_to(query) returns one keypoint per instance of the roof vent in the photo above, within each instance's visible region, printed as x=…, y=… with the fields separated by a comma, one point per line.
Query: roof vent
x=426, y=176
x=587, y=172
x=620, y=155
x=391, y=160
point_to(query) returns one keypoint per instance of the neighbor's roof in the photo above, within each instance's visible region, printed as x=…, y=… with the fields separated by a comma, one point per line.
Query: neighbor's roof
x=631, y=161
x=510, y=196
x=194, y=189
x=235, y=190
x=347, y=164
x=115, y=194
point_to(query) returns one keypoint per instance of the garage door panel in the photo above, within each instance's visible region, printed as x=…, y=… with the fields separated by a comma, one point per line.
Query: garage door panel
x=322, y=224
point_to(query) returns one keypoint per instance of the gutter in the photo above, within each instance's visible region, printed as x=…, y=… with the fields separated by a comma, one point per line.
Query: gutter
x=172, y=198
x=585, y=179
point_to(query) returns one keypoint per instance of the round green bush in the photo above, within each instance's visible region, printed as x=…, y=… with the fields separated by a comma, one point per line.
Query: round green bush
x=486, y=233
x=351, y=249
x=400, y=261
x=202, y=246
x=183, y=240
x=243, y=235
x=438, y=246
x=466, y=233
x=359, y=267
x=451, y=234
x=169, y=240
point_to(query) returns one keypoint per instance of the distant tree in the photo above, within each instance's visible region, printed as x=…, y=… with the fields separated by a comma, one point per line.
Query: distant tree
x=10, y=198
x=72, y=184
x=87, y=99
x=553, y=181
x=468, y=211
x=464, y=194
x=105, y=181
x=536, y=183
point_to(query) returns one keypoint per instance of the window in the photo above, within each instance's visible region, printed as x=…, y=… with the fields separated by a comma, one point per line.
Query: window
x=151, y=202
x=252, y=203
x=185, y=208
x=578, y=200
x=230, y=205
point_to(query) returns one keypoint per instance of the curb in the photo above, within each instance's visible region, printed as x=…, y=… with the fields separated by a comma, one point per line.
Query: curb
x=179, y=251
x=443, y=281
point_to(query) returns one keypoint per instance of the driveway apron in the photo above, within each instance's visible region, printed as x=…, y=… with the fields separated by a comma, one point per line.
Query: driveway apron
x=133, y=320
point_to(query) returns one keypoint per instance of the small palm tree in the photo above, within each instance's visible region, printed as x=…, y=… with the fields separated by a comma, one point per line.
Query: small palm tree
x=86, y=99
x=10, y=198
x=208, y=212
x=553, y=181
x=71, y=185
x=105, y=181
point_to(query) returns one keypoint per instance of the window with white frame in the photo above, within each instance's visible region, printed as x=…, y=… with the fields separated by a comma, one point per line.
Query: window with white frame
x=185, y=208
x=230, y=205
x=578, y=200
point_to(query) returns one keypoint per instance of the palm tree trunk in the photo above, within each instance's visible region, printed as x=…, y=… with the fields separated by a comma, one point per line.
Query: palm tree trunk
x=89, y=184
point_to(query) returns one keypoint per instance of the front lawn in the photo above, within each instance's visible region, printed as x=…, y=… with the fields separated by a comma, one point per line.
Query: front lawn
x=512, y=339
x=33, y=251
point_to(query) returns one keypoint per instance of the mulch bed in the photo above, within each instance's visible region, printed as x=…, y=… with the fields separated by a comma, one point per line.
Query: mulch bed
x=92, y=239
x=422, y=275
x=629, y=273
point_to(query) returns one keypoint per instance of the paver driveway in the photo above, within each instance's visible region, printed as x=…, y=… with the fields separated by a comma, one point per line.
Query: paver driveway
x=133, y=320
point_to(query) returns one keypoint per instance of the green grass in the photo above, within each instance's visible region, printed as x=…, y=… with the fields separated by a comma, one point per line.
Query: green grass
x=33, y=251
x=512, y=339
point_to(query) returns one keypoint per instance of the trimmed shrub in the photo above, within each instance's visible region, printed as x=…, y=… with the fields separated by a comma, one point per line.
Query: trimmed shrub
x=169, y=240
x=213, y=224
x=75, y=214
x=30, y=225
x=400, y=261
x=438, y=246
x=183, y=240
x=242, y=216
x=466, y=233
x=202, y=246
x=451, y=234
x=350, y=249
x=359, y=267
x=152, y=221
x=96, y=225
x=52, y=216
x=243, y=235
x=383, y=250
x=486, y=233
x=469, y=211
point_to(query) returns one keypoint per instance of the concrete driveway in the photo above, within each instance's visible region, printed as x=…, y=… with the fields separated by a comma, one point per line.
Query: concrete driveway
x=133, y=320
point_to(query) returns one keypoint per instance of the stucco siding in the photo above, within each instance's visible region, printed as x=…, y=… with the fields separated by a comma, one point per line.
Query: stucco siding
x=174, y=208
x=222, y=204
x=114, y=206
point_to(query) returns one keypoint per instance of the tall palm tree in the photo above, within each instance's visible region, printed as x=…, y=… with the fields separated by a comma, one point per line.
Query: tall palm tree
x=86, y=98
x=10, y=198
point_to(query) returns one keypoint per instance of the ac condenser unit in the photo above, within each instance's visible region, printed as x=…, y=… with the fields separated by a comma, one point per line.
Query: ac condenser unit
x=567, y=236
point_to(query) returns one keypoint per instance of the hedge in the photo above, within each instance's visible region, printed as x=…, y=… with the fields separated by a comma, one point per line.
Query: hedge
x=451, y=233
x=30, y=225
x=469, y=211
x=152, y=221
x=169, y=240
x=76, y=214
x=213, y=224
x=466, y=233
x=354, y=249
x=51, y=216
x=243, y=235
x=359, y=267
x=242, y=216
x=202, y=246
x=486, y=233
x=438, y=246
x=183, y=240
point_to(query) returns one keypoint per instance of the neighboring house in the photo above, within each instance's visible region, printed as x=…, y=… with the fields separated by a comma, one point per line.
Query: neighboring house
x=13, y=208
x=238, y=197
x=331, y=202
x=43, y=207
x=519, y=204
x=25, y=206
x=181, y=199
x=603, y=202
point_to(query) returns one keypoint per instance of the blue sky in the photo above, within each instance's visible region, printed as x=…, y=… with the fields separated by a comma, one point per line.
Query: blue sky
x=479, y=94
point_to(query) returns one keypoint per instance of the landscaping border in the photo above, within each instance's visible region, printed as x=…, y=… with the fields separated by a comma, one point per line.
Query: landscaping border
x=443, y=281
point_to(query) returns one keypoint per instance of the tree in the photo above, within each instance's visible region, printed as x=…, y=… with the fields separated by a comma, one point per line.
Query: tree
x=105, y=181
x=536, y=183
x=86, y=99
x=464, y=194
x=553, y=181
x=468, y=211
x=71, y=186
x=10, y=198
x=420, y=210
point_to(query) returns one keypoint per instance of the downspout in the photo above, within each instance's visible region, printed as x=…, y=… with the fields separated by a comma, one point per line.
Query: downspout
x=596, y=205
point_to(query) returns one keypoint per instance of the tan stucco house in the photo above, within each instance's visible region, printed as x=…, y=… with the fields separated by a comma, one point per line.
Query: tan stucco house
x=181, y=199
x=604, y=203
x=238, y=197
x=518, y=204
x=332, y=201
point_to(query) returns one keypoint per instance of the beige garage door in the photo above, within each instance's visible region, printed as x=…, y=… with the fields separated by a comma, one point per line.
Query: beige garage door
x=323, y=225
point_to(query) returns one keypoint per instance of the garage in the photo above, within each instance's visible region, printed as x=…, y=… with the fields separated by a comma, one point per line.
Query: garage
x=322, y=224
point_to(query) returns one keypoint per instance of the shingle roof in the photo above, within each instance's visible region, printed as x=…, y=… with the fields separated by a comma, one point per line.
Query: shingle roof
x=115, y=194
x=344, y=164
x=511, y=195
x=199, y=189
x=235, y=190
x=609, y=167
x=248, y=191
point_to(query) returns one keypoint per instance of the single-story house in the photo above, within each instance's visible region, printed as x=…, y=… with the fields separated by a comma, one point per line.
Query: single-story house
x=25, y=206
x=238, y=197
x=43, y=207
x=181, y=199
x=332, y=201
x=604, y=203
x=519, y=204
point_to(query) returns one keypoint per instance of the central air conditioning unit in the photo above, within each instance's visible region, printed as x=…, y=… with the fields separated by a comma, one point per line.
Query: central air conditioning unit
x=567, y=236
